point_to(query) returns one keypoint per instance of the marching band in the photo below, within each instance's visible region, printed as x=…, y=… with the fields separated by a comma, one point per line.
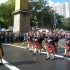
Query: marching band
x=48, y=41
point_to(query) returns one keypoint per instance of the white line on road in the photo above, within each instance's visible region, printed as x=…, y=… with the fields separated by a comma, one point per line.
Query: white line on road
x=9, y=65
x=60, y=56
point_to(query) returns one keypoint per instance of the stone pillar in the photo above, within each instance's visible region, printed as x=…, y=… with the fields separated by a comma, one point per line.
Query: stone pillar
x=21, y=17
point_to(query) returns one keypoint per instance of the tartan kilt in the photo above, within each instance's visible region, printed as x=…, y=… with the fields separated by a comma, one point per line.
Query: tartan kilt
x=67, y=47
x=50, y=49
x=68, y=53
x=68, y=50
x=38, y=46
x=30, y=42
x=1, y=52
x=45, y=44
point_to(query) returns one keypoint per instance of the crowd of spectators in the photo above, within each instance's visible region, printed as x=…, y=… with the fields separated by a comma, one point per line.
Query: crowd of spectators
x=10, y=37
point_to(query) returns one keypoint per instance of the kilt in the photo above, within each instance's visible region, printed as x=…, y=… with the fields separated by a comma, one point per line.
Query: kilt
x=46, y=43
x=1, y=52
x=37, y=45
x=68, y=53
x=50, y=49
x=68, y=50
x=67, y=47
x=30, y=42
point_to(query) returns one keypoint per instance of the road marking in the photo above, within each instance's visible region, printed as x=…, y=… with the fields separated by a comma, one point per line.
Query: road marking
x=7, y=64
x=42, y=52
x=58, y=56
x=62, y=57
x=61, y=45
x=22, y=43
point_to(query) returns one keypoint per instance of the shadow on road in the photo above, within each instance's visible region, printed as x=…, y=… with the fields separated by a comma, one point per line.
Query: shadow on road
x=24, y=62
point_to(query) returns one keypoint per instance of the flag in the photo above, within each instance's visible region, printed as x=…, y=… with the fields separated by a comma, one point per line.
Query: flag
x=55, y=17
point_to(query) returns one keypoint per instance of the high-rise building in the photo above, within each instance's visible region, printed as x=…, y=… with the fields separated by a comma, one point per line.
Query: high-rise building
x=60, y=8
x=69, y=7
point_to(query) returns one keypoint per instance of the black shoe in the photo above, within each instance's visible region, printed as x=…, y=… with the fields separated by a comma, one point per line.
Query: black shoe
x=40, y=53
x=47, y=58
x=64, y=55
x=52, y=58
x=30, y=50
x=1, y=63
x=27, y=48
x=34, y=53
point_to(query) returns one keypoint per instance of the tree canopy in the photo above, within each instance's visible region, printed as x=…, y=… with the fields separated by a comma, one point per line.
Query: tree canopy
x=41, y=14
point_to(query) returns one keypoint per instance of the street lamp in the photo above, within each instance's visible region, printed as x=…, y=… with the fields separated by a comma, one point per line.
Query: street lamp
x=51, y=17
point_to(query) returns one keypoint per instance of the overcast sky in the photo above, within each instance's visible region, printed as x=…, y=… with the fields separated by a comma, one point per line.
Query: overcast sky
x=1, y=1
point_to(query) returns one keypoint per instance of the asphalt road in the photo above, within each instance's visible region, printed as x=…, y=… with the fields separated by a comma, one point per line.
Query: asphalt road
x=17, y=58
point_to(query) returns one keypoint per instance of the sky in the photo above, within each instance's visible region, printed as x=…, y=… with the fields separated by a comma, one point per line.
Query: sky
x=55, y=1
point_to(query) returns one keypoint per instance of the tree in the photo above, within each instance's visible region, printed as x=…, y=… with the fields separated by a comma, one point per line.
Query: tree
x=6, y=10
x=67, y=24
x=42, y=12
x=60, y=21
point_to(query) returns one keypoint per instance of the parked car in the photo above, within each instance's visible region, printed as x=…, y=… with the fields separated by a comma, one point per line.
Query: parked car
x=44, y=30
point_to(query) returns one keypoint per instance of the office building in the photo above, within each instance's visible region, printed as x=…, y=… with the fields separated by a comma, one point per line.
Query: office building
x=69, y=7
x=60, y=8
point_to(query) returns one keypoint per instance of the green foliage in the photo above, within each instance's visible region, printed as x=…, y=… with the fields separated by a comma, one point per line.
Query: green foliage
x=40, y=12
x=66, y=24
x=6, y=10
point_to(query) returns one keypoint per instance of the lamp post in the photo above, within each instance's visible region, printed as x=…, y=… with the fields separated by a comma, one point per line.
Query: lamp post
x=42, y=18
x=51, y=18
x=36, y=25
x=54, y=19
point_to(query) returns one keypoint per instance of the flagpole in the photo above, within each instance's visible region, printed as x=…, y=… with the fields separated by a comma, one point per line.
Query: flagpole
x=54, y=21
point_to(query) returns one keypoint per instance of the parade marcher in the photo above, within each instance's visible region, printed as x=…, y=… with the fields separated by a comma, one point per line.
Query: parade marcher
x=67, y=47
x=29, y=40
x=55, y=40
x=24, y=37
x=45, y=43
x=37, y=45
x=50, y=48
x=1, y=49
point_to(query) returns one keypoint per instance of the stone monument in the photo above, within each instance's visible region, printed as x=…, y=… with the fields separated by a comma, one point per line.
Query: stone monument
x=21, y=17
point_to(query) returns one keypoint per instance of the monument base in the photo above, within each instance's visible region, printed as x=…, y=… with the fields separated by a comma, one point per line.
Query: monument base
x=21, y=21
